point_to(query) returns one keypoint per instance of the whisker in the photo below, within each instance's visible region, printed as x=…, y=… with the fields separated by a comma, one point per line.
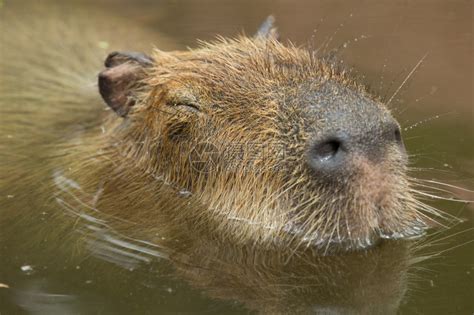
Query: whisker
x=440, y=197
x=430, y=169
x=421, y=208
x=423, y=121
x=434, y=188
x=406, y=79
x=436, y=241
x=446, y=184
x=435, y=211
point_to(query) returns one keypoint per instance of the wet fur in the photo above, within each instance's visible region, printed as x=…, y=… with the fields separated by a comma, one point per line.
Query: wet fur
x=136, y=173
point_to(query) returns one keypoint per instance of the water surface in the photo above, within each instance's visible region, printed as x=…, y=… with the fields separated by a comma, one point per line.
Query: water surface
x=383, y=40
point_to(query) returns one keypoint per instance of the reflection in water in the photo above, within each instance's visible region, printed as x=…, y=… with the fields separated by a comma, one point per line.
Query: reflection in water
x=143, y=275
x=264, y=281
x=371, y=282
x=271, y=282
x=101, y=239
x=34, y=298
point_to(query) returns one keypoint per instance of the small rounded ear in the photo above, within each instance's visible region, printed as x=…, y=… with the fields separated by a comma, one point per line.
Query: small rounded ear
x=121, y=78
x=267, y=29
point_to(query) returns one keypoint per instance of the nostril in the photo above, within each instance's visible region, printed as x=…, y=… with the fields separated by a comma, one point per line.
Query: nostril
x=399, y=140
x=398, y=135
x=326, y=150
x=328, y=155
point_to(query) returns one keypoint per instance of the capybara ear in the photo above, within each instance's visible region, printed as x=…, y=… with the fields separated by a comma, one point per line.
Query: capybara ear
x=121, y=78
x=267, y=29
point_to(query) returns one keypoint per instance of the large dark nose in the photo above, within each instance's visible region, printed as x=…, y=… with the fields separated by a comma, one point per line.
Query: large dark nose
x=332, y=152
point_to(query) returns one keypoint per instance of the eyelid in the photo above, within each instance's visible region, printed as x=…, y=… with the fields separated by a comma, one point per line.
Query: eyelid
x=184, y=100
x=188, y=106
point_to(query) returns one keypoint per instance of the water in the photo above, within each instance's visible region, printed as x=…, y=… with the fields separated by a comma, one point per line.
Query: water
x=383, y=40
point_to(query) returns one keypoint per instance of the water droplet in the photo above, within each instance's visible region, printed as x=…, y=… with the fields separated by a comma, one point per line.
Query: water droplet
x=27, y=269
x=184, y=193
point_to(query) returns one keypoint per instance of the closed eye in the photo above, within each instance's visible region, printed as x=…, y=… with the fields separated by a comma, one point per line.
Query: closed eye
x=188, y=106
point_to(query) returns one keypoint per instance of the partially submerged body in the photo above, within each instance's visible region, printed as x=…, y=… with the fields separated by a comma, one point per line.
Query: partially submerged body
x=249, y=140
x=208, y=157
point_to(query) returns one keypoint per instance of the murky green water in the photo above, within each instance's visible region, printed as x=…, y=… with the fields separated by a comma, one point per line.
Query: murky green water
x=385, y=40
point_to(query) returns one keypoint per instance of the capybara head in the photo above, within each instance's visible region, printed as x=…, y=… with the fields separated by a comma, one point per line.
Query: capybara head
x=277, y=145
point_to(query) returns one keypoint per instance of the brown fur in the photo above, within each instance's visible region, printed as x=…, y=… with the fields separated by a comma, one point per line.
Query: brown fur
x=246, y=99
